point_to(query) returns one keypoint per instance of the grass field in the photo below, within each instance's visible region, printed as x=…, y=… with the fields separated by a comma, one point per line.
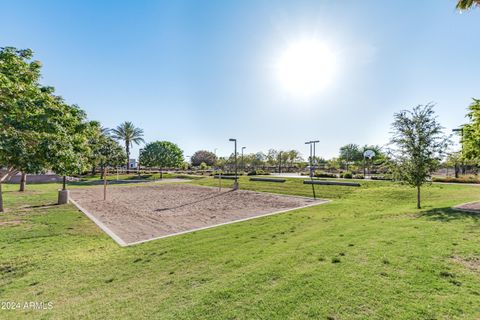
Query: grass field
x=368, y=254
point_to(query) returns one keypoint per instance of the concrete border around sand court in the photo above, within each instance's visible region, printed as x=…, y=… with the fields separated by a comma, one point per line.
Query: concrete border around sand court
x=100, y=224
x=122, y=243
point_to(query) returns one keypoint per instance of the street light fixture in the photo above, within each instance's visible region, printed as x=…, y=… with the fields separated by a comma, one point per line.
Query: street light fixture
x=235, y=184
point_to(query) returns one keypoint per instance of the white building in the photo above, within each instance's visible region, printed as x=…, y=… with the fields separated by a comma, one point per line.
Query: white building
x=132, y=163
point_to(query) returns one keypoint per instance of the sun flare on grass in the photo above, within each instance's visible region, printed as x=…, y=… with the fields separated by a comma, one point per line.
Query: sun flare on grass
x=306, y=67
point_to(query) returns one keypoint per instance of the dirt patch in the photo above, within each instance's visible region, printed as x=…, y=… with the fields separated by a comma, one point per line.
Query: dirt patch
x=138, y=213
x=472, y=263
x=10, y=223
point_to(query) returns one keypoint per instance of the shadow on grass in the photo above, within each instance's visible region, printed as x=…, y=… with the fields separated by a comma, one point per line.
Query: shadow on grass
x=47, y=205
x=449, y=214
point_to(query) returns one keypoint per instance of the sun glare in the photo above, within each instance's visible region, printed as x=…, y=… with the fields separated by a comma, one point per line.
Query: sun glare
x=306, y=67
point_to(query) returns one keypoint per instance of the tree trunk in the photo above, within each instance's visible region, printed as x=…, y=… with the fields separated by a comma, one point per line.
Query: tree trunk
x=64, y=184
x=127, y=149
x=1, y=197
x=102, y=172
x=23, y=182
x=418, y=197
x=94, y=170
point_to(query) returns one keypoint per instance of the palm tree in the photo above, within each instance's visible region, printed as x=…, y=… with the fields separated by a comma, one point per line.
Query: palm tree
x=467, y=4
x=129, y=134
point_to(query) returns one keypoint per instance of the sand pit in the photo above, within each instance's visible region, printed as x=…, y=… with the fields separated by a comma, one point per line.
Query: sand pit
x=133, y=214
x=469, y=207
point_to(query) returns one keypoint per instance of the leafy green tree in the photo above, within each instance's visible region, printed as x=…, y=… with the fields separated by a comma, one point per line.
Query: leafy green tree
x=419, y=144
x=130, y=135
x=350, y=153
x=454, y=160
x=467, y=4
x=185, y=166
x=293, y=157
x=105, y=151
x=161, y=154
x=38, y=130
x=333, y=164
x=203, y=166
x=253, y=160
x=272, y=157
x=73, y=150
x=471, y=133
x=209, y=158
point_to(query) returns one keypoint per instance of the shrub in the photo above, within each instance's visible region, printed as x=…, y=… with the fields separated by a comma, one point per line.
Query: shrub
x=203, y=156
x=347, y=175
x=456, y=180
x=322, y=174
x=258, y=172
x=215, y=173
x=384, y=177
x=203, y=166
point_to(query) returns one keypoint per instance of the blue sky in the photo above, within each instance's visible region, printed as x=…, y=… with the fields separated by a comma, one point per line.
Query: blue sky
x=199, y=72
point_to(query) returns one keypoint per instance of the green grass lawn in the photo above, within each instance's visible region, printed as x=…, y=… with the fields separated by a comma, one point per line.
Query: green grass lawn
x=368, y=254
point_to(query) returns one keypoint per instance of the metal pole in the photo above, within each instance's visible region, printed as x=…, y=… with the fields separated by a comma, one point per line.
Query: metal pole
x=235, y=184
x=105, y=183
x=280, y=162
x=243, y=163
x=236, y=165
x=311, y=167
x=311, y=161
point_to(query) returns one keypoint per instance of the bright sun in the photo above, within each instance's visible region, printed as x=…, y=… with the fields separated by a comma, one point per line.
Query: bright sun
x=306, y=67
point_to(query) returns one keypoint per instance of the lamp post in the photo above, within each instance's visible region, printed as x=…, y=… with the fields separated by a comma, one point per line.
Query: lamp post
x=243, y=164
x=280, y=162
x=461, y=141
x=235, y=184
x=312, y=156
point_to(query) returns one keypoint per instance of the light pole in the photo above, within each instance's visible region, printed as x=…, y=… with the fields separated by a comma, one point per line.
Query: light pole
x=461, y=141
x=312, y=156
x=235, y=184
x=243, y=164
x=280, y=162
